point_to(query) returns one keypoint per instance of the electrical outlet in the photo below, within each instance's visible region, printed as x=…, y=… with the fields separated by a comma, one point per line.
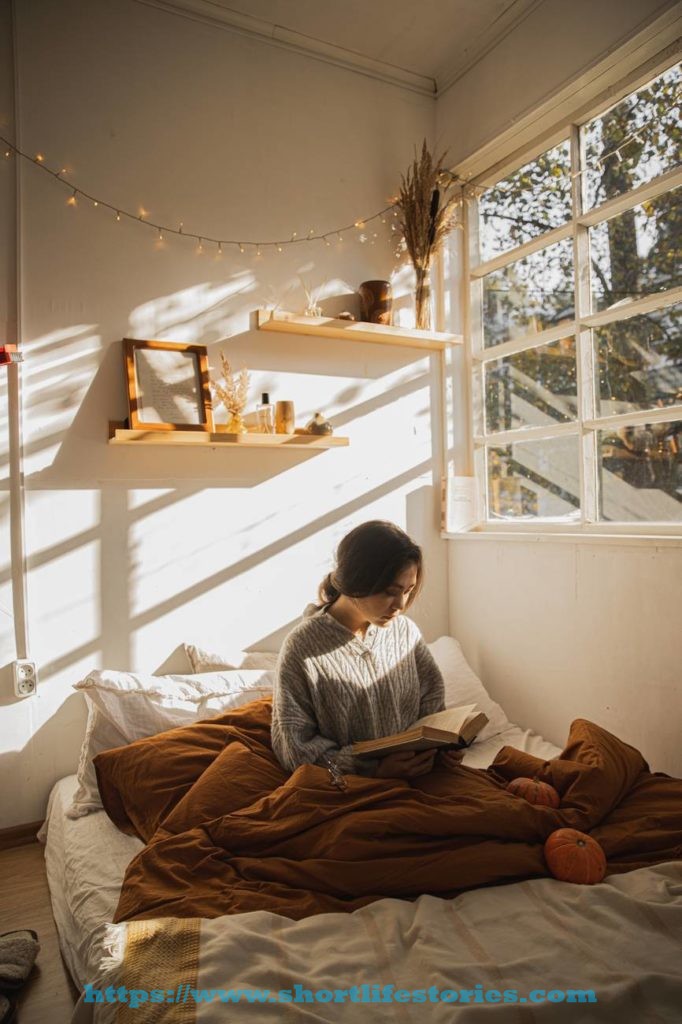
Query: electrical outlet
x=25, y=677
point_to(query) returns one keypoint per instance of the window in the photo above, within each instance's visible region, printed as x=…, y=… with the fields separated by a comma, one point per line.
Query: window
x=575, y=301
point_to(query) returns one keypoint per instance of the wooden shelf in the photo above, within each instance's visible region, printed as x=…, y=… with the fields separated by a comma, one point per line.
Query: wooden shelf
x=221, y=439
x=354, y=330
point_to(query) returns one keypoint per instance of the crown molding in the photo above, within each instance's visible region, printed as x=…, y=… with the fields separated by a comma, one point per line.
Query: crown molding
x=509, y=20
x=209, y=12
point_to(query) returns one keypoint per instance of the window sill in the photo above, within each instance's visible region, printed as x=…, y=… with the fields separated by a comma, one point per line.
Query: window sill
x=567, y=536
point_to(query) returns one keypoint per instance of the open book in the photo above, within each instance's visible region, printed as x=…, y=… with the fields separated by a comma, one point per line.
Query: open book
x=453, y=728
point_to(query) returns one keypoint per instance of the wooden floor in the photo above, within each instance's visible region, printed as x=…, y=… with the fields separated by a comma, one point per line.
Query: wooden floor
x=48, y=995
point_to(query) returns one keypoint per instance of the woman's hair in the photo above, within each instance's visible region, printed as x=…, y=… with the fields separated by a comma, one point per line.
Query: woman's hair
x=368, y=559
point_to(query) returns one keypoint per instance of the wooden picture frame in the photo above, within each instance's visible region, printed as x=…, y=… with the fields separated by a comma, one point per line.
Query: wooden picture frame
x=168, y=385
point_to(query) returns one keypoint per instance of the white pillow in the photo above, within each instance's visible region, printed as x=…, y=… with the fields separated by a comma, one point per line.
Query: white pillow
x=462, y=685
x=205, y=661
x=123, y=707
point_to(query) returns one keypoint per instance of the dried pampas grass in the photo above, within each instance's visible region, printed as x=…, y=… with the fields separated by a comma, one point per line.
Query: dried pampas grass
x=232, y=393
x=427, y=200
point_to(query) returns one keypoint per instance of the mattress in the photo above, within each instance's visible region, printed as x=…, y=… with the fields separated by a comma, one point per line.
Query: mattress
x=86, y=858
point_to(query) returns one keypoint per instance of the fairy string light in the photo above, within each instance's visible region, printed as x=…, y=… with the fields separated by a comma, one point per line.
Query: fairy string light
x=277, y=245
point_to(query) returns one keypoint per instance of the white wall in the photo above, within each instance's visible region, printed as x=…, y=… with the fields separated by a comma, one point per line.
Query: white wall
x=132, y=552
x=563, y=630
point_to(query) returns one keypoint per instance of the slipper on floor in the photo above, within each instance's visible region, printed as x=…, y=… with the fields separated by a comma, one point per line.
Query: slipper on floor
x=18, y=951
x=8, y=1009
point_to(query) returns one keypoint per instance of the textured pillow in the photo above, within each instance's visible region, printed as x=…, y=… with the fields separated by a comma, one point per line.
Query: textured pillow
x=123, y=706
x=205, y=661
x=462, y=685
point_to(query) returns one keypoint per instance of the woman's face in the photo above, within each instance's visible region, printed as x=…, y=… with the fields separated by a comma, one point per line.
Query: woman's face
x=380, y=609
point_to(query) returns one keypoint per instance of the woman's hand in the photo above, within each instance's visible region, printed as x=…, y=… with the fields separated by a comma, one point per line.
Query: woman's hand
x=406, y=764
x=449, y=758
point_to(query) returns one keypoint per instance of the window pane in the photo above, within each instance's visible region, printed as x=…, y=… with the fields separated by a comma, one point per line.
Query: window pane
x=533, y=200
x=531, y=388
x=640, y=471
x=639, y=252
x=640, y=362
x=530, y=295
x=534, y=480
x=645, y=127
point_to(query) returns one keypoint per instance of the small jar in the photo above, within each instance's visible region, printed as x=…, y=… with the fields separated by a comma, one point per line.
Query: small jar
x=284, y=418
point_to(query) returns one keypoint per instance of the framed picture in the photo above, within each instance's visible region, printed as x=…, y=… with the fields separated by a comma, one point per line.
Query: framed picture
x=168, y=385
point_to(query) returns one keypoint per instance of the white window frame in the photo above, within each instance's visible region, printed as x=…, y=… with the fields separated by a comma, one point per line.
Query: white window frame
x=475, y=354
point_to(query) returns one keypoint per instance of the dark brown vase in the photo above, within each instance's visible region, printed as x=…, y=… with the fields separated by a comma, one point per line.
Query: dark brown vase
x=376, y=302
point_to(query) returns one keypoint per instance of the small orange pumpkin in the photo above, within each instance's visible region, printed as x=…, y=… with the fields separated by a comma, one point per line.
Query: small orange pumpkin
x=534, y=791
x=573, y=856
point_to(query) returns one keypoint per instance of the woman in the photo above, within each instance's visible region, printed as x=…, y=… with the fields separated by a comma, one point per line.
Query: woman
x=355, y=668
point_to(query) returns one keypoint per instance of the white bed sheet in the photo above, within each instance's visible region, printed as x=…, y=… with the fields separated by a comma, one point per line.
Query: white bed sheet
x=86, y=858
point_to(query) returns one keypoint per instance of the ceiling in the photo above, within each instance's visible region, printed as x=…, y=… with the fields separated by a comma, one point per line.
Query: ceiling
x=424, y=45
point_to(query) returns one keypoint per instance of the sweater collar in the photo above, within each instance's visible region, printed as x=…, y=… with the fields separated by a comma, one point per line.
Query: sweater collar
x=321, y=611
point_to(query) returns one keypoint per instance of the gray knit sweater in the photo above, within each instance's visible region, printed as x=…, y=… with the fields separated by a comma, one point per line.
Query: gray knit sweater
x=333, y=689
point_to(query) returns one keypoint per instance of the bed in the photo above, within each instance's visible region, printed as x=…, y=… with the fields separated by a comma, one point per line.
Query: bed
x=617, y=942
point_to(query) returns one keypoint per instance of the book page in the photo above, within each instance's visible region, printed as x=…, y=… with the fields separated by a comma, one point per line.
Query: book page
x=451, y=719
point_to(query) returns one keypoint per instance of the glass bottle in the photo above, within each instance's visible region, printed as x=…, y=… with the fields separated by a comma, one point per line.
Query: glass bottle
x=266, y=415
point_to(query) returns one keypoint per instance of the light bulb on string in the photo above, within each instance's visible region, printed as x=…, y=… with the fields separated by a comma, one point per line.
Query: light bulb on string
x=220, y=248
x=95, y=203
x=279, y=247
x=311, y=232
x=294, y=236
x=359, y=224
x=71, y=201
x=258, y=252
x=340, y=238
x=241, y=247
x=200, y=247
x=180, y=228
x=39, y=158
x=160, y=235
x=8, y=153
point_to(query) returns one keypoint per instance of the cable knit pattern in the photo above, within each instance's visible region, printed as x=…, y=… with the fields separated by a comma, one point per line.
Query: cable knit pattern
x=333, y=689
